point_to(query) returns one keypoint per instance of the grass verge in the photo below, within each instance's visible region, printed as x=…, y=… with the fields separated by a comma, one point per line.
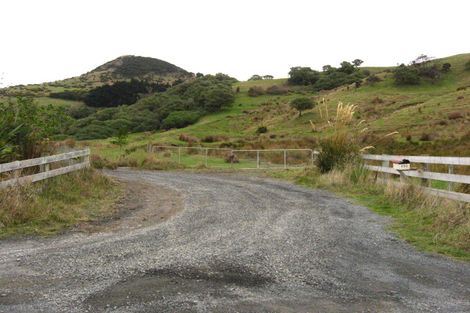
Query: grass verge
x=48, y=207
x=430, y=224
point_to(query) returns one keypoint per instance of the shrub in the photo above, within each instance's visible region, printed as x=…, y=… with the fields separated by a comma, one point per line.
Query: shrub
x=454, y=115
x=188, y=138
x=262, y=130
x=180, y=119
x=335, y=79
x=446, y=67
x=213, y=138
x=80, y=111
x=342, y=147
x=372, y=79
x=301, y=104
x=336, y=151
x=255, y=91
x=277, y=90
x=377, y=100
x=406, y=75
x=425, y=137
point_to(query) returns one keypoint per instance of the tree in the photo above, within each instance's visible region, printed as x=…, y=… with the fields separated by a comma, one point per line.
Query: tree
x=347, y=67
x=302, y=104
x=357, y=62
x=303, y=76
x=256, y=77
x=406, y=75
x=268, y=77
x=327, y=68
x=121, y=139
x=199, y=75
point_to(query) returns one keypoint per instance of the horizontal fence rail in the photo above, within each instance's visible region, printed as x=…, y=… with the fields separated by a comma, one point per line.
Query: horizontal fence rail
x=75, y=160
x=424, y=173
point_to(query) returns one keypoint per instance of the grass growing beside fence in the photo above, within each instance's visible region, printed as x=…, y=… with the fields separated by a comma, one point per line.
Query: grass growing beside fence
x=50, y=206
x=429, y=223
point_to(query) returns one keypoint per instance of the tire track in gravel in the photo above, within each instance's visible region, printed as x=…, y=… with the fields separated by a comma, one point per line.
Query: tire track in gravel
x=238, y=244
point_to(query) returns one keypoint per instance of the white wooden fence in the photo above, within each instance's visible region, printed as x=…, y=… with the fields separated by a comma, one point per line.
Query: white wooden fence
x=76, y=160
x=424, y=172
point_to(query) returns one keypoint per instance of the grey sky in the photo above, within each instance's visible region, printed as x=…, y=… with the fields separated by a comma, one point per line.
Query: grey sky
x=51, y=40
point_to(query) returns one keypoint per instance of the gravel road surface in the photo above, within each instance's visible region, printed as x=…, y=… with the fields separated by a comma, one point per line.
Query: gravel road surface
x=229, y=243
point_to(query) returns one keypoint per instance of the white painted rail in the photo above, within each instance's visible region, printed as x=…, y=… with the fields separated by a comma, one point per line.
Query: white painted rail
x=77, y=160
x=425, y=174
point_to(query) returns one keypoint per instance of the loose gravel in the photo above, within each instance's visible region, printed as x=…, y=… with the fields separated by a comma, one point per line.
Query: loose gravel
x=238, y=244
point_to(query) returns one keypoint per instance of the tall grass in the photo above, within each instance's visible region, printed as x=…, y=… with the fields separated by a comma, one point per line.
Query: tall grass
x=50, y=206
x=341, y=147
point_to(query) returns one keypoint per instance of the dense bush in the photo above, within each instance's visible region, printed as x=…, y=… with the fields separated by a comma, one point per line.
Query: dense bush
x=26, y=128
x=209, y=93
x=121, y=93
x=80, y=111
x=330, y=78
x=180, y=119
x=333, y=80
x=303, y=76
x=406, y=75
x=423, y=67
x=467, y=65
x=179, y=106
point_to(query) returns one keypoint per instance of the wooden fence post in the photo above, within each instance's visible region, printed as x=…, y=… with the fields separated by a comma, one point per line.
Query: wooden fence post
x=424, y=181
x=450, y=171
x=257, y=158
x=285, y=158
x=385, y=163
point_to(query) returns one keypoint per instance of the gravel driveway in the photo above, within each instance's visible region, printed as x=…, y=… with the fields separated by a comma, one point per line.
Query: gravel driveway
x=238, y=244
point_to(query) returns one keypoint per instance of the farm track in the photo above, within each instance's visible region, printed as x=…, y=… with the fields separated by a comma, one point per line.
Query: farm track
x=229, y=243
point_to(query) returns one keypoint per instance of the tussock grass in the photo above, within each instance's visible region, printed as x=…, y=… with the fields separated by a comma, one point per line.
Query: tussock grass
x=52, y=205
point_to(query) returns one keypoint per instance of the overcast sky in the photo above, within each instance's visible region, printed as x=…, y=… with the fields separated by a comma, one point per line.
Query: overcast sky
x=46, y=40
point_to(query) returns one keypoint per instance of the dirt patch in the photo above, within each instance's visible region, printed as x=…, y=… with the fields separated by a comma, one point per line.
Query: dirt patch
x=143, y=204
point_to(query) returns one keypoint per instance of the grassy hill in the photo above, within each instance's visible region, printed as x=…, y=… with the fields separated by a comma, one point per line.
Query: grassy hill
x=430, y=118
x=123, y=68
